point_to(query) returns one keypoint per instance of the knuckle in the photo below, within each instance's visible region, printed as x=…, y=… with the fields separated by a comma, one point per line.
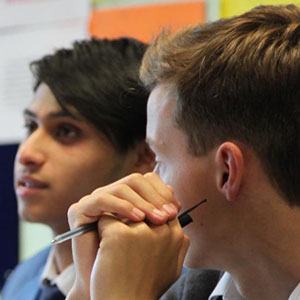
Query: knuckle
x=151, y=175
x=135, y=177
x=118, y=190
x=72, y=210
x=97, y=190
x=83, y=199
x=123, y=188
x=179, y=236
x=123, y=233
x=162, y=230
x=73, y=215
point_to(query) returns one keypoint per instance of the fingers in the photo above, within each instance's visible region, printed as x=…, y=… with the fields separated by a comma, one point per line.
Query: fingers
x=84, y=251
x=137, y=254
x=181, y=241
x=166, y=192
x=152, y=189
x=134, y=197
x=182, y=254
x=91, y=207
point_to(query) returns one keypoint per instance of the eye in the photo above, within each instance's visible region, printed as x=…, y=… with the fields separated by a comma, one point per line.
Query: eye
x=30, y=126
x=67, y=132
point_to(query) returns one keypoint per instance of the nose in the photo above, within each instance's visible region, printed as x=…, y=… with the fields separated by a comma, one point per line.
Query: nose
x=31, y=152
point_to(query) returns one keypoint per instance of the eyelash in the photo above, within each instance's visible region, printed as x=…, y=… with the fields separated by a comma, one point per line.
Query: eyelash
x=64, y=132
x=30, y=127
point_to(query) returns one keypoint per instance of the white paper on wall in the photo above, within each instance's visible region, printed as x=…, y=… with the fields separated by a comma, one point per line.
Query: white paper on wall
x=20, y=44
x=24, y=12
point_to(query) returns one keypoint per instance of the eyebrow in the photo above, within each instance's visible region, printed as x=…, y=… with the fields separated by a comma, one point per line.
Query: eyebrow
x=53, y=115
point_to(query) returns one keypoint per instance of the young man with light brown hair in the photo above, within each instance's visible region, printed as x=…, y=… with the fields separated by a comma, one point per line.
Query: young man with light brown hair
x=224, y=123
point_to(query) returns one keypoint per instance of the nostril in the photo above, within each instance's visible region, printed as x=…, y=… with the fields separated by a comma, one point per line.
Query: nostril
x=29, y=158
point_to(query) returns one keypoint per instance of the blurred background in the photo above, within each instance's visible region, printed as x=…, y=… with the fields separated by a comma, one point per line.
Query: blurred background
x=31, y=28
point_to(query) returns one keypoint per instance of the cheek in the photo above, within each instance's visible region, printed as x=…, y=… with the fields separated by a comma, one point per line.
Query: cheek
x=188, y=187
x=184, y=194
x=73, y=176
x=93, y=173
x=177, y=178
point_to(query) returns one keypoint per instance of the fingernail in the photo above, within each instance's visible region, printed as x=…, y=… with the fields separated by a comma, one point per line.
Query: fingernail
x=159, y=213
x=170, y=208
x=138, y=213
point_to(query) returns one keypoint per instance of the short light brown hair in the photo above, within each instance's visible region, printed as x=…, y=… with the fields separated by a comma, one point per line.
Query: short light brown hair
x=238, y=79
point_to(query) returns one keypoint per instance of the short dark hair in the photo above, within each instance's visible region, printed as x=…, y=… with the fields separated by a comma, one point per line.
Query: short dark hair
x=99, y=78
x=238, y=79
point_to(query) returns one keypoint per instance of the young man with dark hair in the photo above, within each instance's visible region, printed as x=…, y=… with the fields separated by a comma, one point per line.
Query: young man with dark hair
x=224, y=123
x=85, y=128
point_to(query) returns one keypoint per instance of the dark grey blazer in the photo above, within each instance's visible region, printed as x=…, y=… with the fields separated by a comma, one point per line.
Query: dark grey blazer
x=194, y=284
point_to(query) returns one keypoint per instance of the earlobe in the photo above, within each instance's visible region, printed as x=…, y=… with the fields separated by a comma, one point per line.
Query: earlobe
x=230, y=169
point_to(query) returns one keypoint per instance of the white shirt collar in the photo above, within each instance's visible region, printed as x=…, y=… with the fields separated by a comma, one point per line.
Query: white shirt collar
x=227, y=289
x=295, y=295
x=64, y=280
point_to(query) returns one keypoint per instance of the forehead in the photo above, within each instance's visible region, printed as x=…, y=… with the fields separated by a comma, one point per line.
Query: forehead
x=45, y=103
x=44, y=100
x=160, y=114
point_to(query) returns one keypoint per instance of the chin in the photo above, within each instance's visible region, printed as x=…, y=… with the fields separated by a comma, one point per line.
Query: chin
x=198, y=256
x=29, y=215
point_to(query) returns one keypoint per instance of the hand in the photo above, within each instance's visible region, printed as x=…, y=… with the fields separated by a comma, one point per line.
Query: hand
x=135, y=198
x=137, y=260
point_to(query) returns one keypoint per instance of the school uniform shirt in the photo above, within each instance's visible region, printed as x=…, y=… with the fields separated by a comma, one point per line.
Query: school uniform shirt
x=64, y=281
x=227, y=289
x=296, y=293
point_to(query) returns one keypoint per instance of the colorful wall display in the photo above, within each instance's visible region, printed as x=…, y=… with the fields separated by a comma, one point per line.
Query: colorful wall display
x=235, y=7
x=143, y=20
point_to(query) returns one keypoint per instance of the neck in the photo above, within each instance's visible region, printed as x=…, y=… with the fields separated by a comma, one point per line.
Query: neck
x=256, y=276
x=62, y=251
x=63, y=255
x=270, y=256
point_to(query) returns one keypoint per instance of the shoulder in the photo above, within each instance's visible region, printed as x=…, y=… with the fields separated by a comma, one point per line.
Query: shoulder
x=193, y=284
x=33, y=264
x=26, y=271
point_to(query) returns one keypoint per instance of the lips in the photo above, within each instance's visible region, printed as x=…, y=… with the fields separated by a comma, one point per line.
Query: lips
x=30, y=183
x=27, y=186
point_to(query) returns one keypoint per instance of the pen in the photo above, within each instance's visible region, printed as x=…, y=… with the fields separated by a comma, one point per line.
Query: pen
x=184, y=219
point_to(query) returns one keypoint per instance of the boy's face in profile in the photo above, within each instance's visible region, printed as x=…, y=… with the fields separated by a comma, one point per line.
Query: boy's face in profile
x=192, y=178
x=61, y=159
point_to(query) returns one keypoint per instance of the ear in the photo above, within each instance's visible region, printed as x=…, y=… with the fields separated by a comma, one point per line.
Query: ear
x=145, y=158
x=230, y=169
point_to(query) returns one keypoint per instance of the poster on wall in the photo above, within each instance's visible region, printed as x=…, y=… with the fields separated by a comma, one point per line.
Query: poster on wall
x=30, y=29
x=105, y=3
x=111, y=19
x=231, y=8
